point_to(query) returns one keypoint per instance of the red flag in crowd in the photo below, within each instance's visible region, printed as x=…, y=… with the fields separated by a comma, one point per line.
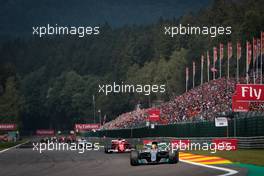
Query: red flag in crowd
x=193, y=68
x=213, y=69
x=221, y=58
x=238, y=58
x=238, y=50
x=254, y=50
x=262, y=42
x=208, y=59
x=208, y=66
x=104, y=119
x=215, y=54
x=187, y=78
x=221, y=51
x=193, y=72
x=258, y=47
x=187, y=73
x=202, y=63
x=249, y=54
x=261, y=52
x=229, y=50
x=229, y=55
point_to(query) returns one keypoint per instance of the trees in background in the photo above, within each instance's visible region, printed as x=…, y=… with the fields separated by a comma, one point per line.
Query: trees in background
x=55, y=78
x=11, y=100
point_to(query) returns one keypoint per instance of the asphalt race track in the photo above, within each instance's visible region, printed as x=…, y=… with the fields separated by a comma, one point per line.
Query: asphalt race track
x=26, y=162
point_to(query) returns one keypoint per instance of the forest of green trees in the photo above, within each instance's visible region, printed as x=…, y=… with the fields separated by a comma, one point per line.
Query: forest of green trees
x=50, y=82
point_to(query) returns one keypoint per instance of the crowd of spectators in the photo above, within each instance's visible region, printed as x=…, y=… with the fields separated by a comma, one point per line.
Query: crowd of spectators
x=201, y=103
x=126, y=120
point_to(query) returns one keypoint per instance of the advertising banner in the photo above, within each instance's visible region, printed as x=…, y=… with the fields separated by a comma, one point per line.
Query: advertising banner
x=87, y=127
x=154, y=115
x=239, y=106
x=8, y=126
x=221, y=122
x=225, y=144
x=249, y=92
x=45, y=132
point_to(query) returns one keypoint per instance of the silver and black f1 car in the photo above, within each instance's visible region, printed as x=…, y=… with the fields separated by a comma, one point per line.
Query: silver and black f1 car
x=118, y=146
x=154, y=153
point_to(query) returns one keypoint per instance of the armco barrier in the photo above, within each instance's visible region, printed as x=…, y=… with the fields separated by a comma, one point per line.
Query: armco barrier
x=253, y=142
x=245, y=127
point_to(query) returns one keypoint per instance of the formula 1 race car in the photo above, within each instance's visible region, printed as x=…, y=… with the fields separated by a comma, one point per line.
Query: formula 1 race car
x=50, y=139
x=153, y=153
x=118, y=146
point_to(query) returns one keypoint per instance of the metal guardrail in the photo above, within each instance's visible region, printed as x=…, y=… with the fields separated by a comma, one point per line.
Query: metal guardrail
x=255, y=142
x=251, y=142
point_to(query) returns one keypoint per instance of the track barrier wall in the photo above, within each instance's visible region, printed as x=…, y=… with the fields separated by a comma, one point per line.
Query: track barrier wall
x=243, y=127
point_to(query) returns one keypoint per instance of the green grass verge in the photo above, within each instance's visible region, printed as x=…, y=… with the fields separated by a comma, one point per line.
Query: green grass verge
x=246, y=156
x=4, y=145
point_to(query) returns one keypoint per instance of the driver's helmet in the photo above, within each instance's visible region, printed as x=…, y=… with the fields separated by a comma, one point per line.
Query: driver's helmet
x=154, y=145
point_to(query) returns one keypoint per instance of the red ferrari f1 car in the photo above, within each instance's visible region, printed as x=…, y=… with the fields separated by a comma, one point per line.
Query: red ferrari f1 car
x=118, y=146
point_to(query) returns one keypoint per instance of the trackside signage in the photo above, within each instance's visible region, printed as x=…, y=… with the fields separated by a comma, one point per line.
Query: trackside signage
x=45, y=132
x=249, y=92
x=225, y=144
x=239, y=106
x=154, y=115
x=221, y=122
x=86, y=127
x=5, y=126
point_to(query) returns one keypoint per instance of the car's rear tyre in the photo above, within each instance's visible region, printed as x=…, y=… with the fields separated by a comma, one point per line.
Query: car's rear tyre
x=173, y=157
x=106, y=149
x=133, y=147
x=134, y=155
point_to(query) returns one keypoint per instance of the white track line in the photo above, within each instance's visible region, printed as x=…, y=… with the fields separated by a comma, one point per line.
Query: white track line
x=229, y=171
x=2, y=151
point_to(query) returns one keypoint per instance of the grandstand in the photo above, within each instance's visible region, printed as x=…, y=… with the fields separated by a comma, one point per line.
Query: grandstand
x=202, y=103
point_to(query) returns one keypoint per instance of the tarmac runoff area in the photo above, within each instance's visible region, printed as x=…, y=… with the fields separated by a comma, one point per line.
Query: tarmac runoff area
x=26, y=162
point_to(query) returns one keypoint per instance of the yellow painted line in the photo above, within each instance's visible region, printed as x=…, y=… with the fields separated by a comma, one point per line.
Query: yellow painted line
x=203, y=159
x=186, y=154
x=192, y=157
x=217, y=162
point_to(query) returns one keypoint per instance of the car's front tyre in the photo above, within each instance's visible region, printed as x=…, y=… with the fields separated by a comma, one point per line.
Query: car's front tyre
x=173, y=157
x=134, y=155
x=106, y=149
